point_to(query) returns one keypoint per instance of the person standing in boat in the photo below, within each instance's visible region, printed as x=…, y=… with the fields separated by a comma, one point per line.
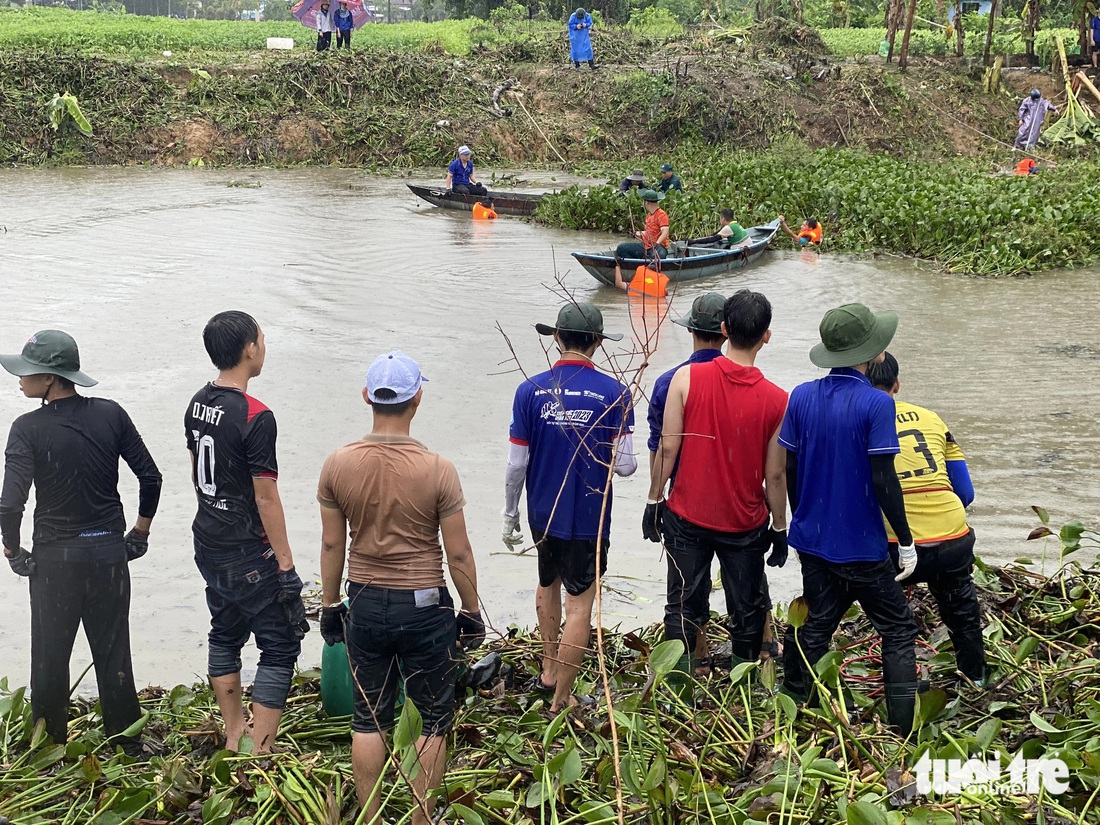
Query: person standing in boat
x=937, y=489
x=580, y=40
x=652, y=241
x=460, y=175
x=1033, y=111
x=730, y=233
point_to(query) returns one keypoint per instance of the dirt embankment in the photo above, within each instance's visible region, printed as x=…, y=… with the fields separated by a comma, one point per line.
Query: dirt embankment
x=412, y=109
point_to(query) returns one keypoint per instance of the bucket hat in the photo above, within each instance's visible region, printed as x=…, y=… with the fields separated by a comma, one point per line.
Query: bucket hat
x=51, y=352
x=851, y=334
x=707, y=313
x=579, y=317
x=396, y=372
x=637, y=175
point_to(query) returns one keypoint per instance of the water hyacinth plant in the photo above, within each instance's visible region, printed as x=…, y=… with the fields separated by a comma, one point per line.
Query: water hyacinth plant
x=959, y=213
x=736, y=753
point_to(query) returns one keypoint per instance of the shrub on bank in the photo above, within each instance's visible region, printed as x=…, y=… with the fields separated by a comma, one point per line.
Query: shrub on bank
x=956, y=212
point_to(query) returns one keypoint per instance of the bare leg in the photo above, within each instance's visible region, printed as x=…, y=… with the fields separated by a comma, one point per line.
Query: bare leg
x=368, y=756
x=227, y=689
x=432, y=751
x=574, y=644
x=265, y=724
x=548, y=610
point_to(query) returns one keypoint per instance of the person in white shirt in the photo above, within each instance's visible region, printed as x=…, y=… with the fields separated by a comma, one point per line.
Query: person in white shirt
x=325, y=27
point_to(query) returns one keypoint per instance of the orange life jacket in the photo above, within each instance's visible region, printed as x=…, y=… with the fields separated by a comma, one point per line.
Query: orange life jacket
x=814, y=234
x=483, y=212
x=649, y=282
x=1025, y=166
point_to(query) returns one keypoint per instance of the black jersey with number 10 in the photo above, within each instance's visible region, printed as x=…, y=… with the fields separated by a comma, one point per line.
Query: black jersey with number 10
x=231, y=437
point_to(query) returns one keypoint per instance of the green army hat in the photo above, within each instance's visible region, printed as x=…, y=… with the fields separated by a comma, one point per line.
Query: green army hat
x=651, y=195
x=851, y=334
x=707, y=313
x=52, y=352
x=579, y=317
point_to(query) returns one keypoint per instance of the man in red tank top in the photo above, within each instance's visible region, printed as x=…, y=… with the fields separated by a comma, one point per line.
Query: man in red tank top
x=722, y=422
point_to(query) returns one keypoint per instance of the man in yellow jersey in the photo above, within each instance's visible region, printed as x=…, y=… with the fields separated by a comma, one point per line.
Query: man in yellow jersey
x=937, y=489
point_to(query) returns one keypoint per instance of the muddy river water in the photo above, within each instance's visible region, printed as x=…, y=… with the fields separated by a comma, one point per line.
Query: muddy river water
x=338, y=267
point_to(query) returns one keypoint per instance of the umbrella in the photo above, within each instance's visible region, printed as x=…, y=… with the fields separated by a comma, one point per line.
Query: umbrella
x=306, y=11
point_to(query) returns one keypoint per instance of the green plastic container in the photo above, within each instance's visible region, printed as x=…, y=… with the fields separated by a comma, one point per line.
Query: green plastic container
x=337, y=688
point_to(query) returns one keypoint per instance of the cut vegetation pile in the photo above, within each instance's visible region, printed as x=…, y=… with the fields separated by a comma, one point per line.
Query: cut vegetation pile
x=739, y=754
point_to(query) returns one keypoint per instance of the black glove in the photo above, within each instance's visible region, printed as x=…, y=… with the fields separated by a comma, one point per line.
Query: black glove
x=22, y=563
x=332, y=623
x=290, y=597
x=137, y=544
x=778, y=541
x=652, y=520
x=471, y=630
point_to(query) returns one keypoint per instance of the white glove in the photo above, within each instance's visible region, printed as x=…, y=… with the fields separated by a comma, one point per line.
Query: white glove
x=510, y=532
x=908, y=558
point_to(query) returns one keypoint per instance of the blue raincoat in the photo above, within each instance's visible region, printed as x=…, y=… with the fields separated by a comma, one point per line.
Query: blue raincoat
x=580, y=43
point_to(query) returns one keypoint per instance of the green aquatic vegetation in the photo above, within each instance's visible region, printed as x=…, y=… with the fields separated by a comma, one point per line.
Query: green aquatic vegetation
x=737, y=752
x=958, y=213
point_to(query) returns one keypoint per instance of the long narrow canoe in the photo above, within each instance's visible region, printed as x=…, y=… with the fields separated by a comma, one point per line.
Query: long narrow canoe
x=505, y=203
x=685, y=263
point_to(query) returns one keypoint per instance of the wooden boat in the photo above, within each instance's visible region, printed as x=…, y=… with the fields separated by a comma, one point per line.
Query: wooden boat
x=505, y=203
x=685, y=263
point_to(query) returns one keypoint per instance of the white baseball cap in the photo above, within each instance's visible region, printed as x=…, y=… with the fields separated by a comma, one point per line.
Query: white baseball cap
x=464, y=150
x=396, y=372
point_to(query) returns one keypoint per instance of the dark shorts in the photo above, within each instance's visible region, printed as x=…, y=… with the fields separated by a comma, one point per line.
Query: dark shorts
x=389, y=636
x=1094, y=48
x=634, y=250
x=242, y=586
x=571, y=560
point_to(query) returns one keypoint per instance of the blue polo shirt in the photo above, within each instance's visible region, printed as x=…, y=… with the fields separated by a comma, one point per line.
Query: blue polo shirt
x=460, y=175
x=658, y=397
x=569, y=416
x=834, y=424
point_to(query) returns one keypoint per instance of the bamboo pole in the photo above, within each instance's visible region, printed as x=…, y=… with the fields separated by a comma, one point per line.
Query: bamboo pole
x=903, y=60
x=989, y=32
x=1081, y=76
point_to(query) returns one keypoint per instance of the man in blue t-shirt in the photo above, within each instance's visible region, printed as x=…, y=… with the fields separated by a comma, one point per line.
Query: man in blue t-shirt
x=460, y=175
x=841, y=439
x=1094, y=36
x=570, y=426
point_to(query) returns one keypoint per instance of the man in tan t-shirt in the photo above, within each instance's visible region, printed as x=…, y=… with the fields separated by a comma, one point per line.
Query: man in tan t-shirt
x=396, y=497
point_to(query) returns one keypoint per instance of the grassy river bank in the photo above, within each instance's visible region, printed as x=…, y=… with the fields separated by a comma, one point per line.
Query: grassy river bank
x=738, y=754
x=769, y=121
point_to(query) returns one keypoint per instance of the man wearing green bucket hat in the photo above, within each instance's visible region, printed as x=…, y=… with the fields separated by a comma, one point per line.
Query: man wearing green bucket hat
x=397, y=498
x=841, y=440
x=69, y=450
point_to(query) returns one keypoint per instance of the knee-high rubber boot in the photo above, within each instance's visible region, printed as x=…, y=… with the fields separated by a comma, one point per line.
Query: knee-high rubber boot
x=681, y=679
x=901, y=702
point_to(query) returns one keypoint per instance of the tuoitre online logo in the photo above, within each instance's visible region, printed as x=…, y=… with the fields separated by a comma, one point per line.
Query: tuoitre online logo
x=990, y=777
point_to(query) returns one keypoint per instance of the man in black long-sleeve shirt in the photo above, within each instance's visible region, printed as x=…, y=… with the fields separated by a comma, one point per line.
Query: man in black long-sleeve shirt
x=69, y=450
x=841, y=439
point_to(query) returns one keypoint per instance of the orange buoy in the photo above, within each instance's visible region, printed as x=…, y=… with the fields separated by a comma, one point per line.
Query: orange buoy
x=649, y=282
x=483, y=212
